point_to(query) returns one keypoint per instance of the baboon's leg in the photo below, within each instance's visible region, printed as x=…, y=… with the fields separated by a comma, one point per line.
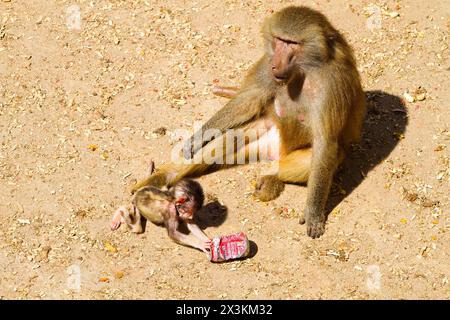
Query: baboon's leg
x=216, y=154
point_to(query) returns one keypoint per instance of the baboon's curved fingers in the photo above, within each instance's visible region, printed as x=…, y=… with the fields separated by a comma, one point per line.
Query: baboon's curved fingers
x=315, y=230
x=225, y=92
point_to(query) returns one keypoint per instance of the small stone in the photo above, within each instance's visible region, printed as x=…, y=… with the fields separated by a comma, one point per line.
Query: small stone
x=104, y=155
x=278, y=211
x=420, y=97
x=410, y=196
x=408, y=97
x=394, y=14
x=429, y=203
x=161, y=131
x=43, y=255
x=92, y=147
x=108, y=246
x=23, y=221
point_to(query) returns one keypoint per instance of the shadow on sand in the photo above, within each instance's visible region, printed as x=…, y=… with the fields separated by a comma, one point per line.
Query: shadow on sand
x=385, y=124
x=213, y=214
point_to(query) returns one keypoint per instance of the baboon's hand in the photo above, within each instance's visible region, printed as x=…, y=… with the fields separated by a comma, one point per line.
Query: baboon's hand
x=315, y=229
x=315, y=222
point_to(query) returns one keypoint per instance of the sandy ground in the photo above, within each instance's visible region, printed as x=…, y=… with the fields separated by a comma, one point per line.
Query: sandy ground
x=78, y=114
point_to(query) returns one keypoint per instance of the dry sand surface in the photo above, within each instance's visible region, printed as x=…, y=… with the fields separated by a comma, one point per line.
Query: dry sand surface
x=82, y=112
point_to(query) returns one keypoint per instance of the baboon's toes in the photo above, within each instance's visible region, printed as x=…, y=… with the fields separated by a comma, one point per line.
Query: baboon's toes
x=316, y=229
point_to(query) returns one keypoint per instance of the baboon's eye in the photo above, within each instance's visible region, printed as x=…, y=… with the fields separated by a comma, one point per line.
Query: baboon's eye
x=287, y=41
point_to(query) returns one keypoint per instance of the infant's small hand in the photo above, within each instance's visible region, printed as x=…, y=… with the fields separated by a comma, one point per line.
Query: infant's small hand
x=117, y=218
x=206, y=246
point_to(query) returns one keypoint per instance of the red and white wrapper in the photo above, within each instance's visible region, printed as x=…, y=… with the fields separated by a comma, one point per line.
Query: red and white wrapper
x=229, y=247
